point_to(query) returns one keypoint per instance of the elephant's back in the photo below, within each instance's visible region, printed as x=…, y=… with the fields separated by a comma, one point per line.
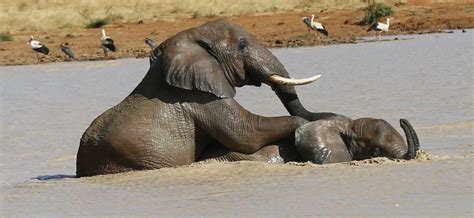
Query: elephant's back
x=138, y=133
x=112, y=119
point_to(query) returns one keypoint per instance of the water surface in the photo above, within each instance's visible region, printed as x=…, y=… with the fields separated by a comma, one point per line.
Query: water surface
x=427, y=79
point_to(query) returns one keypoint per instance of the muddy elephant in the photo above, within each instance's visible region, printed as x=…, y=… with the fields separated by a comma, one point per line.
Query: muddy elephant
x=342, y=139
x=334, y=140
x=185, y=103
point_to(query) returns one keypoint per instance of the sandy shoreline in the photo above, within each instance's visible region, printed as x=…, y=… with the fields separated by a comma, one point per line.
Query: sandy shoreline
x=277, y=30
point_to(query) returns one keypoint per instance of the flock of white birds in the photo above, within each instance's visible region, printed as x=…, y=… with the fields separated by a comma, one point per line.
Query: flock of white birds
x=319, y=27
x=107, y=42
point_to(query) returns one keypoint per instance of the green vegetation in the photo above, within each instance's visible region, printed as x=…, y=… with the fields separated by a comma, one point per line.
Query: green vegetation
x=376, y=11
x=195, y=15
x=97, y=23
x=6, y=37
x=469, y=8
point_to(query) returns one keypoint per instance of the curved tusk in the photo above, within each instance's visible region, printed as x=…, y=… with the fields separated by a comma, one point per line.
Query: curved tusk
x=295, y=82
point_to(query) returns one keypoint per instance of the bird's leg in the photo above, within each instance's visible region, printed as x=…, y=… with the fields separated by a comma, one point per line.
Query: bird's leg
x=37, y=57
x=307, y=34
x=105, y=51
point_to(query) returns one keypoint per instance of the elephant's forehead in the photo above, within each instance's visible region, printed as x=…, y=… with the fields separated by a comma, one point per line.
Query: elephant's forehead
x=228, y=30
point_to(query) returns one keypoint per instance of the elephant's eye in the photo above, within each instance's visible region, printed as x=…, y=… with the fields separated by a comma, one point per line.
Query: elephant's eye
x=377, y=152
x=242, y=44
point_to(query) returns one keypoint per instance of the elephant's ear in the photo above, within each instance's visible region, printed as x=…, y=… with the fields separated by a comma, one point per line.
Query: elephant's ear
x=192, y=65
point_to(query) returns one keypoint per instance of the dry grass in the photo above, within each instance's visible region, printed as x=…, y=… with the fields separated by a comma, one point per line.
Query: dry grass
x=41, y=15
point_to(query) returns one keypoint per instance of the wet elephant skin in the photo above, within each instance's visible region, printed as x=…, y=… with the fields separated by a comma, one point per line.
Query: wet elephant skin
x=185, y=103
x=333, y=140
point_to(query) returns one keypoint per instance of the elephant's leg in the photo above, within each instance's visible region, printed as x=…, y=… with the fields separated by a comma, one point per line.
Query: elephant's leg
x=239, y=130
x=323, y=142
x=280, y=152
x=220, y=153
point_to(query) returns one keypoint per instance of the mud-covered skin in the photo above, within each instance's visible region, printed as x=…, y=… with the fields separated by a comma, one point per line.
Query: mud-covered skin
x=342, y=139
x=185, y=103
x=321, y=142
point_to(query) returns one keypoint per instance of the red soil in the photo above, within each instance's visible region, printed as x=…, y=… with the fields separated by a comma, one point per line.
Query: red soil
x=277, y=30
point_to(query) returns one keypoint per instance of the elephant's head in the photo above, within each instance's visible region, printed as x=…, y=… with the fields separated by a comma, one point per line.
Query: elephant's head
x=376, y=137
x=218, y=56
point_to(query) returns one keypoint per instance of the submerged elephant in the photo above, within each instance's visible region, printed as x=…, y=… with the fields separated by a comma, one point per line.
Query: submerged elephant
x=333, y=140
x=342, y=139
x=185, y=103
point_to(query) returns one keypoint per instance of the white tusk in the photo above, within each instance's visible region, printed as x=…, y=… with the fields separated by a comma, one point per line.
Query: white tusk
x=295, y=82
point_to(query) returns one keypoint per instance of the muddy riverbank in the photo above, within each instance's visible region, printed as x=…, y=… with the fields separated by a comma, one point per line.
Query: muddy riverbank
x=274, y=30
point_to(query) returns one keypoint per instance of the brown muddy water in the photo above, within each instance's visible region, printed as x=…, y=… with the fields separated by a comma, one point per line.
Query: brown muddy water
x=427, y=79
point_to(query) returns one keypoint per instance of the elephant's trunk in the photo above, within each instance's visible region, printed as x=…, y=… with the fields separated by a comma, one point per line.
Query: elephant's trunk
x=290, y=100
x=412, y=139
x=276, y=76
x=398, y=151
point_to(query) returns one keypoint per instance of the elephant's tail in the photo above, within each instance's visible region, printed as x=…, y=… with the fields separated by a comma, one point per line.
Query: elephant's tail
x=412, y=139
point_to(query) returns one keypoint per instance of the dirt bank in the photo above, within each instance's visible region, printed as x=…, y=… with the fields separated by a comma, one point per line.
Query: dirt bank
x=277, y=30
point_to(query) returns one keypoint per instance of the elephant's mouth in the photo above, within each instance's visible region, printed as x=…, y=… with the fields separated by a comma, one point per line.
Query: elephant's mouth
x=279, y=80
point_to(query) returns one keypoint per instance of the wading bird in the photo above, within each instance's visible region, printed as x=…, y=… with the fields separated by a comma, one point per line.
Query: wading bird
x=37, y=47
x=66, y=50
x=107, y=43
x=313, y=25
x=379, y=27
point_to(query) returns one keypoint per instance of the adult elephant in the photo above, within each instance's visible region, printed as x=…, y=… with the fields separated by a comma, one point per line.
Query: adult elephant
x=333, y=140
x=185, y=103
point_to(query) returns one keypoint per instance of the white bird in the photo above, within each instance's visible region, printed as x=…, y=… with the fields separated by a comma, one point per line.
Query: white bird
x=313, y=25
x=107, y=43
x=65, y=48
x=37, y=47
x=379, y=27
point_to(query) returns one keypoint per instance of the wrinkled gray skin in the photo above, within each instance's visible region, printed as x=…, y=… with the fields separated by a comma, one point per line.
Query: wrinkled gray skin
x=184, y=105
x=333, y=140
x=342, y=139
